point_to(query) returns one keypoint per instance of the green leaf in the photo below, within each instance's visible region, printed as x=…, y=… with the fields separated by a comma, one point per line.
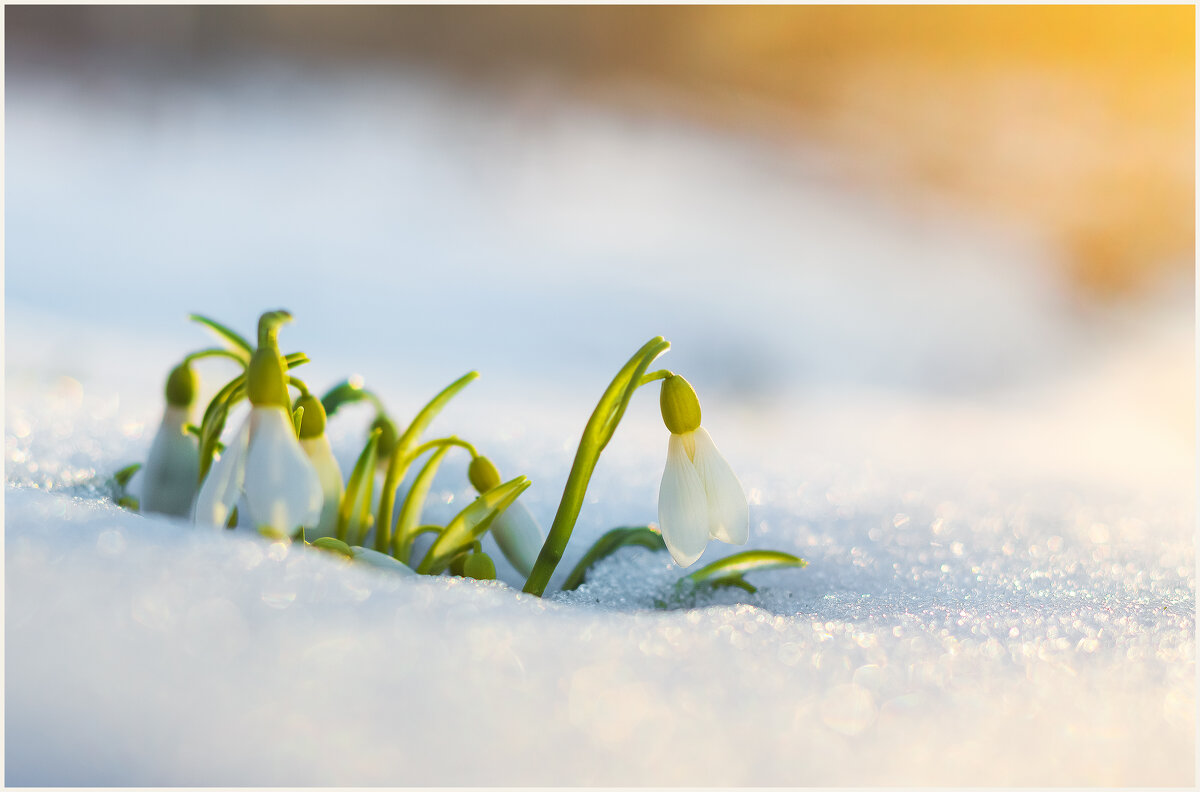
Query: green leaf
x=376, y=559
x=121, y=477
x=332, y=545
x=362, y=476
x=739, y=564
x=232, y=336
x=402, y=456
x=414, y=502
x=470, y=524
x=729, y=571
x=128, y=502
x=295, y=359
x=606, y=545
x=596, y=434
x=297, y=419
x=214, y=422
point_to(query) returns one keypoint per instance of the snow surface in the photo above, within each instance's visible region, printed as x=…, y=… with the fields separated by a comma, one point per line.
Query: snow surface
x=992, y=486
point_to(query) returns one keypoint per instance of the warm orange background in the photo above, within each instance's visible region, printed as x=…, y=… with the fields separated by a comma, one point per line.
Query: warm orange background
x=1073, y=122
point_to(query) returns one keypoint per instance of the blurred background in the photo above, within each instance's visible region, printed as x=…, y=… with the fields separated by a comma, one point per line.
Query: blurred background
x=1074, y=121
x=951, y=201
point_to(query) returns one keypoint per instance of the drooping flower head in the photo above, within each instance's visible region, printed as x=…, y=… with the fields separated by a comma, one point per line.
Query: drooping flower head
x=316, y=448
x=169, y=478
x=516, y=531
x=699, y=498
x=264, y=460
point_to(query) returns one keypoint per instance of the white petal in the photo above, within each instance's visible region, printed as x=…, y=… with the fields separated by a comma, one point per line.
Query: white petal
x=321, y=455
x=282, y=487
x=170, y=477
x=728, y=512
x=223, y=483
x=519, y=537
x=682, y=506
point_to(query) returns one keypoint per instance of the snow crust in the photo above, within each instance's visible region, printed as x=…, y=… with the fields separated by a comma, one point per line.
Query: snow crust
x=998, y=517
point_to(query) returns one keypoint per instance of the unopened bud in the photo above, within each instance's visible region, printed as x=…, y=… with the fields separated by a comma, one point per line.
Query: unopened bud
x=479, y=566
x=679, y=405
x=181, y=386
x=483, y=474
x=312, y=424
x=266, y=376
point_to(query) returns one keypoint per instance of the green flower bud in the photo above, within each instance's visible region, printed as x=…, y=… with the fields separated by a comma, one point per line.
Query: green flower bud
x=312, y=424
x=483, y=474
x=458, y=565
x=679, y=405
x=181, y=386
x=266, y=377
x=480, y=567
x=389, y=433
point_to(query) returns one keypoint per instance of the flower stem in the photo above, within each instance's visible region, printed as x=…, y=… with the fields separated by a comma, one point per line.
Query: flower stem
x=216, y=352
x=596, y=434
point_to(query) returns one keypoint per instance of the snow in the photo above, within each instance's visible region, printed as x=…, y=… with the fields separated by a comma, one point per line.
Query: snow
x=992, y=486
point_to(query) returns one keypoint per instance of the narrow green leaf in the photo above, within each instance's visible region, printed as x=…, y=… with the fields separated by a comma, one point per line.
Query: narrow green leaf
x=738, y=564
x=220, y=396
x=297, y=419
x=295, y=359
x=228, y=334
x=364, y=468
x=214, y=424
x=728, y=572
x=376, y=559
x=332, y=545
x=402, y=457
x=122, y=476
x=129, y=502
x=735, y=583
x=471, y=523
x=414, y=502
x=609, y=543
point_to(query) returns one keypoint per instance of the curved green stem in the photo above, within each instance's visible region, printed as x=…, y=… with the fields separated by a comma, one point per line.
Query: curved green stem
x=216, y=352
x=402, y=456
x=661, y=374
x=596, y=434
x=445, y=441
x=299, y=385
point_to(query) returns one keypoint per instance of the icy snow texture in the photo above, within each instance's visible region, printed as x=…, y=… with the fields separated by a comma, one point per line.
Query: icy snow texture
x=1001, y=584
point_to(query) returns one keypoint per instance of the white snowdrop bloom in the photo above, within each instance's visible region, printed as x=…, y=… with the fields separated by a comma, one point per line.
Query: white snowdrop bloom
x=264, y=460
x=699, y=498
x=316, y=448
x=515, y=530
x=170, y=476
x=320, y=454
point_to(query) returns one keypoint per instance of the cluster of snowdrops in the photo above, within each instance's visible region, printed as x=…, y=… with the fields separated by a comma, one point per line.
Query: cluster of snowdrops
x=276, y=474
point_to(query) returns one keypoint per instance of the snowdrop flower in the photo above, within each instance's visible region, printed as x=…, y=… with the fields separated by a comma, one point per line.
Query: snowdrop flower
x=264, y=461
x=700, y=497
x=172, y=470
x=516, y=532
x=316, y=448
